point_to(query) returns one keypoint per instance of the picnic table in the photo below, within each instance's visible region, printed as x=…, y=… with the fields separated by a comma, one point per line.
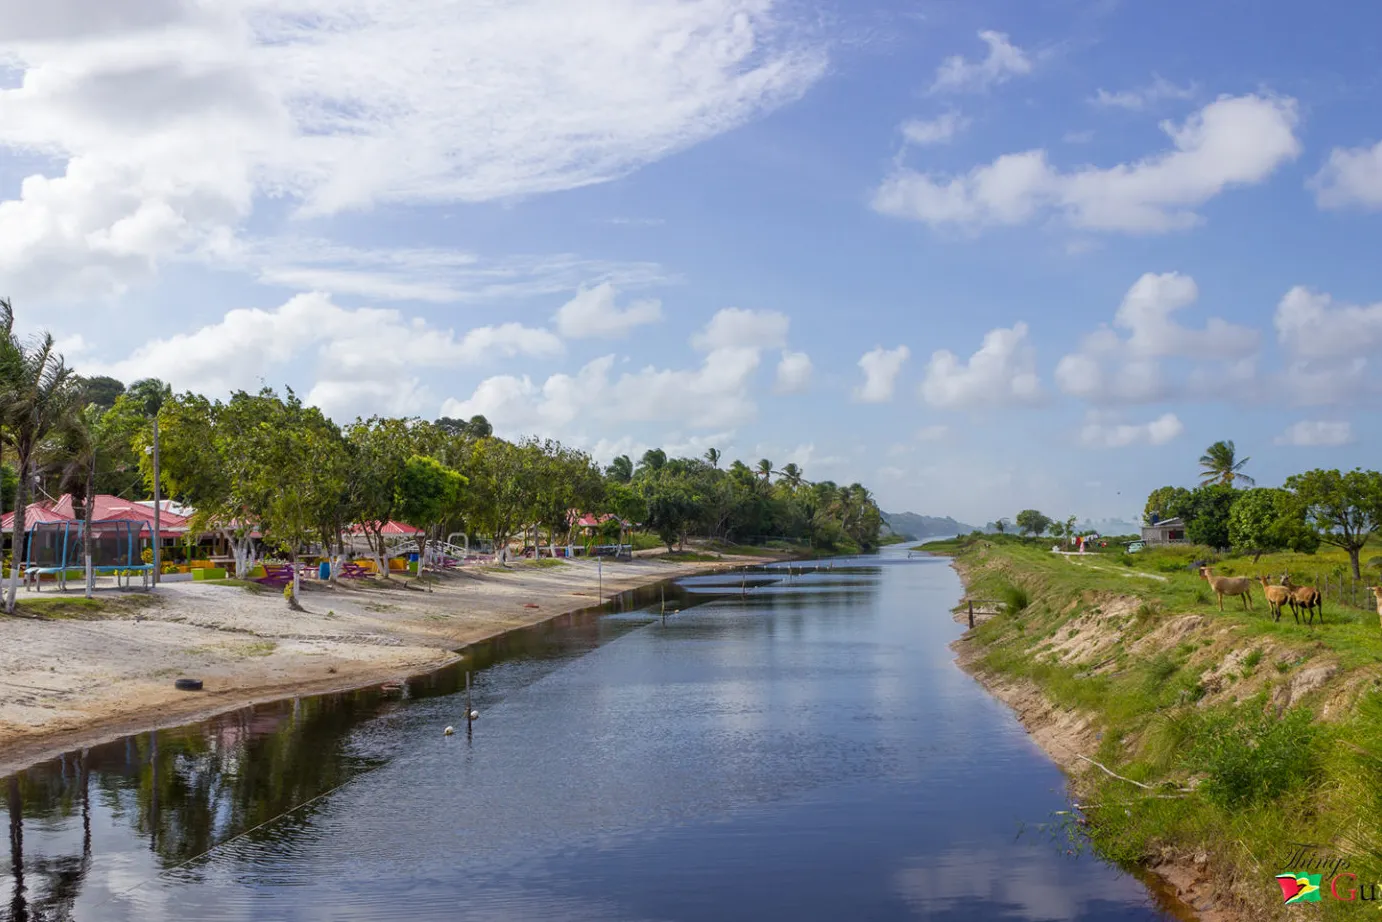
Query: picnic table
x=276, y=575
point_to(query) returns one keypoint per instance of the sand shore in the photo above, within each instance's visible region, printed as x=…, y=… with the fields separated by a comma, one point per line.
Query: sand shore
x=70, y=677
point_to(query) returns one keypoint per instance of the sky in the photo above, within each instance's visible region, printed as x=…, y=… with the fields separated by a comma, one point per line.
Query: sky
x=979, y=256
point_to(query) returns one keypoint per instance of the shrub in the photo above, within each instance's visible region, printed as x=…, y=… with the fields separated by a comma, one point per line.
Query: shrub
x=1252, y=659
x=1015, y=599
x=1249, y=759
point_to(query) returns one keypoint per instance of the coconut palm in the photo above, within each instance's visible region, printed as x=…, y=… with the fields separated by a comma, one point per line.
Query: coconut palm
x=1221, y=465
x=38, y=396
x=765, y=468
x=791, y=474
x=713, y=456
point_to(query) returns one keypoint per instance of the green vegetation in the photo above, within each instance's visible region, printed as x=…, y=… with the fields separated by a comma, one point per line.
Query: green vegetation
x=1220, y=715
x=271, y=474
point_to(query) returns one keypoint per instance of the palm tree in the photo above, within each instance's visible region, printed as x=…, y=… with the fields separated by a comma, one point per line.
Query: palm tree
x=713, y=456
x=40, y=394
x=765, y=468
x=792, y=475
x=1221, y=465
x=620, y=469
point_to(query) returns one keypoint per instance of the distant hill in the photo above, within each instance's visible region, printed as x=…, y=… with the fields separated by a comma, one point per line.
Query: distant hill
x=915, y=527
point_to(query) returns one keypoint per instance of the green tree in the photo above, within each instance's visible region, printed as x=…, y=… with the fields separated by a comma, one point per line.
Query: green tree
x=101, y=390
x=1264, y=520
x=1165, y=503
x=652, y=461
x=1344, y=508
x=1206, y=514
x=427, y=491
x=620, y=470
x=380, y=449
x=671, y=509
x=1220, y=464
x=764, y=469
x=1032, y=522
x=713, y=456
x=38, y=398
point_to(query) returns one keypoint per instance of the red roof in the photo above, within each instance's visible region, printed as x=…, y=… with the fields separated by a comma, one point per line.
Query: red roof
x=390, y=528
x=111, y=508
x=594, y=521
x=34, y=513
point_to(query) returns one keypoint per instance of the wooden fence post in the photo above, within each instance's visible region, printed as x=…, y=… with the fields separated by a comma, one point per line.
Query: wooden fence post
x=971, y=613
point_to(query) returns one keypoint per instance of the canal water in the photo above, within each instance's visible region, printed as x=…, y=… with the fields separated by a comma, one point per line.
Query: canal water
x=796, y=747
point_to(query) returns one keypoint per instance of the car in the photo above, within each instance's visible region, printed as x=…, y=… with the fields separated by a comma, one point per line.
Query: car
x=1135, y=546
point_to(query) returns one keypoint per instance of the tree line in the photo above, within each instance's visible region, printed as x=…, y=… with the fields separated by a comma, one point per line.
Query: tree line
x=1338, y=508
x=264, y=467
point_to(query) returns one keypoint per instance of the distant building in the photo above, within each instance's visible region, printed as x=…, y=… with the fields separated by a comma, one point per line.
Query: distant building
x=1167, y=531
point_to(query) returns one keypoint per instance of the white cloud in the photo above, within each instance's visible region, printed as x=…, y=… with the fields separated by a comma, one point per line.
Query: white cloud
x=427, y=274
x=716, y=394
x=1316, y=433
x=939, y=130
x=1233, y=141
x=1158, y=90
x=1003, y=61
x=593, y=313
x=881, y=368
x=735, y=327
x=1099, y=434
x=367, y=358
x=793, y=373
x=1109, y=368
x=1001, y=373
x=1351, y=178
x=1311, y=326
x=170, y=122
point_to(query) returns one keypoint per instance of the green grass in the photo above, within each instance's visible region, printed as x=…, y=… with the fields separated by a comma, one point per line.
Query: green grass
x=1259, y=775
x=688, y=557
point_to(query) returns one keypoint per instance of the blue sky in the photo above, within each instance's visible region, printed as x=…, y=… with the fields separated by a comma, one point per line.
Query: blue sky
x=978, y=256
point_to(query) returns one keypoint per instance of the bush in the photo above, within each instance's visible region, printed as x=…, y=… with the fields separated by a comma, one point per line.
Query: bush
x=1247, y=760
x=1015, y=599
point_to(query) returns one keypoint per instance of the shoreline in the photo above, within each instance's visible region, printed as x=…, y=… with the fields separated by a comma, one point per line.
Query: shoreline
x=422, y=632
x=1178, y=883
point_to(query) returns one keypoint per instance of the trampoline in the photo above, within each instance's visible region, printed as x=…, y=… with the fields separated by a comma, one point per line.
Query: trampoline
x=117, y=548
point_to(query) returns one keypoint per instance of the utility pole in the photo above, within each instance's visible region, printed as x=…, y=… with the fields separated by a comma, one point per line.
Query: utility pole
x=158, y=503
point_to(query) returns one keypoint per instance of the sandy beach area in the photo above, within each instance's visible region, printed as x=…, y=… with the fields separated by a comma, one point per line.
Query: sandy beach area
x=72, y=677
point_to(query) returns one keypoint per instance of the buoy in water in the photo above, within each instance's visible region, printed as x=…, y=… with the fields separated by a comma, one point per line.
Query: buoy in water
x=448, y=731
x=474, y=715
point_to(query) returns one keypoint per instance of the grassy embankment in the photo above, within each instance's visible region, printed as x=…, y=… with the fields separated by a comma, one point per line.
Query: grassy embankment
x=1250, y=735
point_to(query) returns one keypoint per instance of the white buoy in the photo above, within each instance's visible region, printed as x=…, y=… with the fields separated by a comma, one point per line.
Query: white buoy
x=448, y=731
x=474, y=715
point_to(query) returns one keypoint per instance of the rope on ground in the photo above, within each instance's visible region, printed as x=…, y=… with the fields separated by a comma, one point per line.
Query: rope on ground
x=1106, y=770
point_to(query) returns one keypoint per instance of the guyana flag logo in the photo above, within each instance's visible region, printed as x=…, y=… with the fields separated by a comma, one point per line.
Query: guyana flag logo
x=1299, y=888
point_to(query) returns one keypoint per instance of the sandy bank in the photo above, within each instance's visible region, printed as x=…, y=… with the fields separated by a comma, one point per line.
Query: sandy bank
x=76, y=678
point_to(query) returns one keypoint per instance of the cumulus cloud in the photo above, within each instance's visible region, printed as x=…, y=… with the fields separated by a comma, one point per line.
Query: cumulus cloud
x=939, y=130
x=715, y=394
x=1310, y=325
x=1001, y=373
x=170, y=121
x=1317, y=433
x=1159, y=90
x=735, y=327
x=592, y=313
x=794, y=371
x=366, y=358
x=1003, y=61
x=1352, y=178
x=1098, y=433
x=1109, y=368
x=881, y=368
x=1233, y=141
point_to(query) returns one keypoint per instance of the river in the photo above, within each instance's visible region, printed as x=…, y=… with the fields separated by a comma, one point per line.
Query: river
x=777, y=747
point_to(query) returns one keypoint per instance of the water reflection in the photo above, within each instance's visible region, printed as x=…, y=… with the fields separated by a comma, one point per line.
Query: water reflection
x=786, y=745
